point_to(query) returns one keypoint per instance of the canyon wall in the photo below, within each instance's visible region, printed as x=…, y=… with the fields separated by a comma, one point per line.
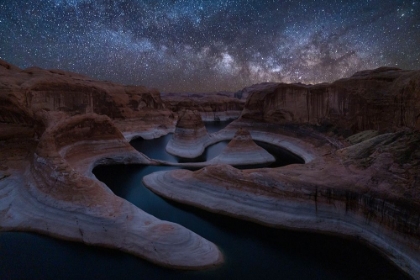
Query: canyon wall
x=26, y=93
x=381, y=99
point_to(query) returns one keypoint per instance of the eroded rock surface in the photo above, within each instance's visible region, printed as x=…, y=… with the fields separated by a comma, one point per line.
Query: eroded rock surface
x=359, y=138
x=242, y=150
x=380, y=99
x=51, y=139
x=360, y=191
x=24, y=93
x=190, y=137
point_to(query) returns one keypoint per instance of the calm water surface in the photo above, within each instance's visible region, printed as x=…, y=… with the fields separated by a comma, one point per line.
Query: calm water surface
x=251, y=251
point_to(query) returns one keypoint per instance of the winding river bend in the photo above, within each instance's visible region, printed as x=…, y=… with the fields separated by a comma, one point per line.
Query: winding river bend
x=251, y=251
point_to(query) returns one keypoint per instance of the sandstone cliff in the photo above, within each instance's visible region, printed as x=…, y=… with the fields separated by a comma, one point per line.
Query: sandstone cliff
x=25, y=93
x=381, y=99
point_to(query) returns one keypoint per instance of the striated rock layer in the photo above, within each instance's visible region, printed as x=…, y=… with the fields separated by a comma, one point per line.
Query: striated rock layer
x=55, y=126
x=25, y=93
x=380, y=99
x=242, y=150
x=359, y=191
x=365, y=187
x=60, y=197
x=51, y=139
x=190, y=137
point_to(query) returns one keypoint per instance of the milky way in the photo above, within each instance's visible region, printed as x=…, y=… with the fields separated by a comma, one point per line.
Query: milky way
x=199, y=46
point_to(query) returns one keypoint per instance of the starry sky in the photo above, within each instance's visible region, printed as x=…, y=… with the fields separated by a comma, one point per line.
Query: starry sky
x=211, y=45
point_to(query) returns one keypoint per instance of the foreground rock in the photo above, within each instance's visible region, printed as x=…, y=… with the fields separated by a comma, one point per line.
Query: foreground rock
x=60, y=197
x=360, y=191
x=190, y=137
x=49, y=147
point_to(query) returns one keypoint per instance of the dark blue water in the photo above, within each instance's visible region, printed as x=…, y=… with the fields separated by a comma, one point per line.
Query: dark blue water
x=251, y=251
x=153, y=149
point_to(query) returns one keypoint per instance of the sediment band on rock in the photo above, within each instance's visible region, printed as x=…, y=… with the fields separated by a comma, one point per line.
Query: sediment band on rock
x=190, y=137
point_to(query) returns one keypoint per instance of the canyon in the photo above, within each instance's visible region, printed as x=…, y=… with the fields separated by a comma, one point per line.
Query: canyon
x=358, y=138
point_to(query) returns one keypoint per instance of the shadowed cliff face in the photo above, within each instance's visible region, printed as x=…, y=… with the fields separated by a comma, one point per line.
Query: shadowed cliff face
x=381, y=99
x=26, y=94
x=36, y=89
x=211, y=106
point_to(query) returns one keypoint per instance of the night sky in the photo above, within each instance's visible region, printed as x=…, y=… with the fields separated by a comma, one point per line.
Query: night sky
x=211, y=45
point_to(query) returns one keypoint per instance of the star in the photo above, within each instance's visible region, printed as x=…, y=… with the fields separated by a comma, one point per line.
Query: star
x=199, y=46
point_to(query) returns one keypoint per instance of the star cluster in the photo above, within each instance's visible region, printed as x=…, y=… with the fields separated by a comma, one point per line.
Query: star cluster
x=202, y=45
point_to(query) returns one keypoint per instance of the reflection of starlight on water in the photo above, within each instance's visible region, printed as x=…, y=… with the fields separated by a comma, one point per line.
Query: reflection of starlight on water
x=211, y=45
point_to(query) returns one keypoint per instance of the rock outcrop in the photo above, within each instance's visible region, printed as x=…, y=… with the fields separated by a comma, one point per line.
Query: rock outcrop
x=242, y=151
x=190, y=137
x=380, y=99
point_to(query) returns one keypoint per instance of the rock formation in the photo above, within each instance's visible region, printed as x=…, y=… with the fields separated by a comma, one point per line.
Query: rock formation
x=190, y=137
x=242, y=151
x=51, y=139
x=359, y=138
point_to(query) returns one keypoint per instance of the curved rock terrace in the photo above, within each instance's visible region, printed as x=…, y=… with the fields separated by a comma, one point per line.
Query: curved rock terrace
x=359, y=138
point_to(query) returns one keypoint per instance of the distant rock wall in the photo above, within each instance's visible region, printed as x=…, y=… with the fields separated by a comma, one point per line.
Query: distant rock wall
x=211, y=106
x=54, y=90
x=26, y=94
x=381, y=99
